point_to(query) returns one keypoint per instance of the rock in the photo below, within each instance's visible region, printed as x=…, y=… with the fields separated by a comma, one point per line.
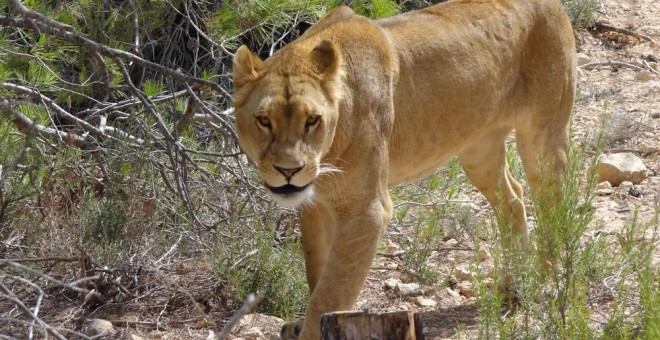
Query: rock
x=626, y=184
x=391, y=247
x=462, y=274
x=100, y=327
x=391, y=283
x=425, y=302
x=483, y=255
x=604, y=188
x=410, y=289
x=583, y=59
x=253, y=333
x=453, y=293
x=465, y=289
x=405, y=289
x=619, y=167
x=644, y=76
x=269, y=326
x=155, y=335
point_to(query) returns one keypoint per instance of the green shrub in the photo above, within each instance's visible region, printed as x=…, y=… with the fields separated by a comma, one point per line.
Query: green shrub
x=581, y=12
x=255, y=263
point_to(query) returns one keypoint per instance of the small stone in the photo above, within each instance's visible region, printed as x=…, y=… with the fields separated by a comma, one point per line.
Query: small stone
x=453, y=293
x=465, y=289
x=100, y=327
x=452, y=242
x=604, y=188
x=391, y=247
x=253, y=333
x=405, y=289
x=425, y=302
x=483, y=255
x=655, y=115
x=391, y=283
x=626, y=184
x=583, y=59
x=155, y=335
x=410, y=289
x=619, y=167
x=488, y=282
x=462, y=274
x=644, y=76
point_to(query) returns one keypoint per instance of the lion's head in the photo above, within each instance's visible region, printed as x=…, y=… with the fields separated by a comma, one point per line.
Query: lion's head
x=286, y=114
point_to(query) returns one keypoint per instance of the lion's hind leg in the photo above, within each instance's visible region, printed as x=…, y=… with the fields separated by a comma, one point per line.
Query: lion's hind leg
x=484, y=162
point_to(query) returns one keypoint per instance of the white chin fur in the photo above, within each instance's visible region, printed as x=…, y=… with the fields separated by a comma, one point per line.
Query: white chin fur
x=293, y=200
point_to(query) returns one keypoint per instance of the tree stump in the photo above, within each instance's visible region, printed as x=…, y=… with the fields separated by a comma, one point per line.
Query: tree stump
x=365, y=325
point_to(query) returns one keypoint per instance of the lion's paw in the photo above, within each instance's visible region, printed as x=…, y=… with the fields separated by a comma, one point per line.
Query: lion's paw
x=291, y=330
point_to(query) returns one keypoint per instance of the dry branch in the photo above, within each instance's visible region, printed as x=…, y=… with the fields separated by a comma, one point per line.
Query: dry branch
x=25, y=124
x=603, y=26
x=612, y=64
x=43, y=24
x=250, y=303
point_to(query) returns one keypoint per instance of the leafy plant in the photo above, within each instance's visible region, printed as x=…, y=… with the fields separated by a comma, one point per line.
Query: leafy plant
x=255, y=264
x=581, y=12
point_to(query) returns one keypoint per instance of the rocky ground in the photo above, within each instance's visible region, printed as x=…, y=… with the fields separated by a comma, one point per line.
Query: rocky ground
x=619, y=82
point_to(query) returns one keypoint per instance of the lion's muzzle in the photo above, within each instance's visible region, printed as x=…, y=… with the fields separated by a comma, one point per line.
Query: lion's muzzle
x=290, y=195
x=288, y=189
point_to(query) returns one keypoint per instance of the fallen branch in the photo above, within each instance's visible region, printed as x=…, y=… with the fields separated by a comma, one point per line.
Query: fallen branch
x=602, y=26
x=18, y=303
x=54, y=280
x=46, y=259
x=650, y=68
x=612, y=64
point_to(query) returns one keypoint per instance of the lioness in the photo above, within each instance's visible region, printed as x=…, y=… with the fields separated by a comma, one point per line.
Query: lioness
x=355, y=106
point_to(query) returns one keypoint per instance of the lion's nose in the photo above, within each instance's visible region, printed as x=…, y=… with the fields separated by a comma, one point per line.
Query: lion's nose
x=288, y=173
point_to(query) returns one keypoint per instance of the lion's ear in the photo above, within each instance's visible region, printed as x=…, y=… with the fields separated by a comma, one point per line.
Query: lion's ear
x=246, y=66
x=326, y=59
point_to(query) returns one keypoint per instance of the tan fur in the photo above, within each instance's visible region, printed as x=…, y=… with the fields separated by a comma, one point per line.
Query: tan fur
x=355, y=106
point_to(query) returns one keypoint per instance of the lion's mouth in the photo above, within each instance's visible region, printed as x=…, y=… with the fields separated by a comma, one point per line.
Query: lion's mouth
x=287, y=189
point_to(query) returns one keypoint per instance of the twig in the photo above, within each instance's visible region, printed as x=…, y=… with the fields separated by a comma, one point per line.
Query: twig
x=612, y=64
x=25, y=124
x=101, y=131
x=52, y=279
x=650, y=68
x=81, y=40
x=251, y=302
x=11, y=297
x=45, y=259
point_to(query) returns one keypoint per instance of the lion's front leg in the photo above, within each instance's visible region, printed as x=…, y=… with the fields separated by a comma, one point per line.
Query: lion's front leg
x=348, y=253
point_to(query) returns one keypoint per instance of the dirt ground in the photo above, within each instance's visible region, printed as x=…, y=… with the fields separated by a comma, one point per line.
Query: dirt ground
x=629, y=95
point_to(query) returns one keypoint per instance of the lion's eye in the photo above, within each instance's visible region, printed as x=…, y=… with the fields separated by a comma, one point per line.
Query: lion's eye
x=311, y=121
x=264, y=122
